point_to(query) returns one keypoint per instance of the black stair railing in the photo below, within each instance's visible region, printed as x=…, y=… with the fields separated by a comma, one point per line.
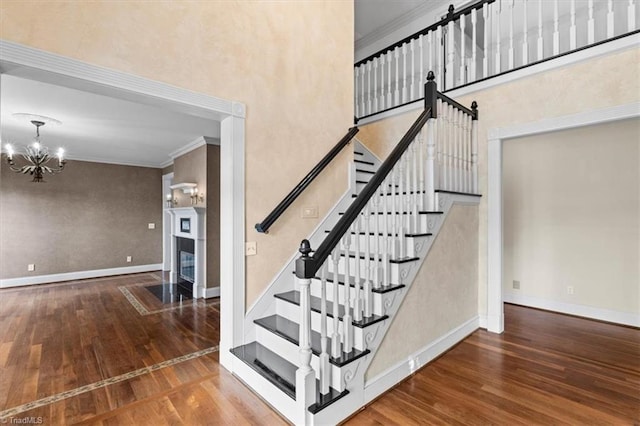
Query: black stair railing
x=304, y=183
x=308, y=266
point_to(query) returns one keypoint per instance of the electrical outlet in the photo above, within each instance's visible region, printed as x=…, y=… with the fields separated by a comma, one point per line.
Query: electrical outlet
x=250, y=248
x=31, y=267
x=570, y=289
x=152, y=226
x=128, y=259
x=309, y=212
x=516, y=285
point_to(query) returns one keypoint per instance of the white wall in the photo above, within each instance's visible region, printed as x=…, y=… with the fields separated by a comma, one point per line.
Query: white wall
x=572, y=219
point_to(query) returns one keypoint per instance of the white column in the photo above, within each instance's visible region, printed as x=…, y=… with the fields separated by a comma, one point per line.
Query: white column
x=305, y=377
x=631, y=16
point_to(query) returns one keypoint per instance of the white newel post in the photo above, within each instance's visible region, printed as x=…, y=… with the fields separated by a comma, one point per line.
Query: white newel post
x=305, y=376
x=474, y=147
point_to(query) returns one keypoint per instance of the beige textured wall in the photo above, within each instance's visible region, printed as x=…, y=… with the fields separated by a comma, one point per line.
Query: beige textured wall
x=572, y=216
x=190, y=168
x=168, y=169
x=90, y=216
x=290, y=62
x=443, y=296
x=572, y=89
x=212, y=198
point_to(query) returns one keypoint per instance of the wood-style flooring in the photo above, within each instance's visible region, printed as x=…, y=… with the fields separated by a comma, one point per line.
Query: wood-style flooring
x=105, y=352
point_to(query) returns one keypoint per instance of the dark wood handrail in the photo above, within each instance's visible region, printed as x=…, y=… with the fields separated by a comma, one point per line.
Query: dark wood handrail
x=451, y=16
x=304, y=183
x=308, y=266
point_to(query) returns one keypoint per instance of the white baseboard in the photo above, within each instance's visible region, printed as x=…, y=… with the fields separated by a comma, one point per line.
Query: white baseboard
x=618, y=317
x=211, y=292
x=78, y=275
x=392, y=376
x=482, y=321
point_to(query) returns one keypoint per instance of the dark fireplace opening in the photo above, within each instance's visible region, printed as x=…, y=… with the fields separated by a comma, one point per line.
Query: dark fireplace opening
x=185, y=248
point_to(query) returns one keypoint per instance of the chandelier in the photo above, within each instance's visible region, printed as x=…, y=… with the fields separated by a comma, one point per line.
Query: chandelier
x=36, y=155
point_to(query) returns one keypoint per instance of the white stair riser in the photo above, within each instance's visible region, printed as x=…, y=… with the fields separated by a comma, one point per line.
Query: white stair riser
x=403, y=221
x=291, y=353
x=378, y=241
x=292, y=313
x=393, y=269
x=316, y=290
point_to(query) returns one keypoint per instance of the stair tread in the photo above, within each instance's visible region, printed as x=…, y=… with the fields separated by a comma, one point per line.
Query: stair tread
x=358, y=153
x=293, y=296
x=425, y=234
x=270, y=365
x=395, y=260
x=444, y=191
x=471, y=194
x=290, y=330
x=409, y=213
x=365, y=171
x=369, y=163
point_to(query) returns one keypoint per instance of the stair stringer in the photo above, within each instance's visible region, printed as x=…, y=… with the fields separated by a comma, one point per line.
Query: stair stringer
x=374, y=335
x=264, y=305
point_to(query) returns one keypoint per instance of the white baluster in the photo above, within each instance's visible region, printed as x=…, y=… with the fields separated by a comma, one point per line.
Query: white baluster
x=474, y=41
x=325, y=370
x=556, y=32
x=385, y=232
x=369, y=87
x=572, y=27
x=444, y=125
x=430, y=194
x=511, y=58
x=404, y=73
x=540, y=39
x=451, y=56
x=463, y=59
x=305, y=376
x=430, y=57
x=362, y=105
x=420, y=85
x=421, y=172
x=357, y=300
x=394, y=211
x=396, y=97
x=368, y=270
x=591, y=26
x=400, y=168
x=474, y=151
x=415, y=146
x=485, y=59
x=610, y=19
x=347, y=333
x=412, y=92
x=467, y=153
x=389, y=97
x=525, y=35
x=498, y=67
x=631, y=16
x=335, y=337
x=470, y=151
x=438, y=58
x=377, y=237
x=375, y=85
x=382, y=91
x=456, y=150
x=357, y=93
x=438, y=136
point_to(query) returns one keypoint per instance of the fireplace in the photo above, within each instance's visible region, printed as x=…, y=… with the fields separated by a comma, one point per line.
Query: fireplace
x=188, y=249
x=186, y=260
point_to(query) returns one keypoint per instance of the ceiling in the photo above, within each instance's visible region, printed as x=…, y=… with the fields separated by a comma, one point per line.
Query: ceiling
x=372, y=15
x=96, y=127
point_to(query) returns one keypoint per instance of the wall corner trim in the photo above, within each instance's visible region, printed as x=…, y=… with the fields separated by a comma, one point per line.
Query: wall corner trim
x=395, y=374
x=78, y=275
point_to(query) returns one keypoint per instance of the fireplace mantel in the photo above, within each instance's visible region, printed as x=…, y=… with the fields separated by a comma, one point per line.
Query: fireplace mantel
x=190, y=222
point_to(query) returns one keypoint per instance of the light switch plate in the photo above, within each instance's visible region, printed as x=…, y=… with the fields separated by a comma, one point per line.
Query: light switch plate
x=128, y=259
x=152, y=226
x=31, y=267
x=310, y=212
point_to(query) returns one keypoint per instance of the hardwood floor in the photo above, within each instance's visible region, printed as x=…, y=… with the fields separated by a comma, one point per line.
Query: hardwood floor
x=85, y=353
x=545, y=369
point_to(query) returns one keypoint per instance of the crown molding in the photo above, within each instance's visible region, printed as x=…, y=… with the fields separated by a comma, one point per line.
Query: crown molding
x=201, y=141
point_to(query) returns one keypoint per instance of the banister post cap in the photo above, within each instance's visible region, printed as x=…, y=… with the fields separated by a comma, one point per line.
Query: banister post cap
x=305, y=248
x=431, y=76
x=474, y=105
x=451, y=9
x=305, y=263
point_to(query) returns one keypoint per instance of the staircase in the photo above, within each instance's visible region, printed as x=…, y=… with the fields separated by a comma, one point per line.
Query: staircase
x=314, y=333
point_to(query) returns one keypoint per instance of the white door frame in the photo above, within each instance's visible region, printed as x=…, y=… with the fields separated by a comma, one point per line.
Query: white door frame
x=497, y=136
x=27, y=62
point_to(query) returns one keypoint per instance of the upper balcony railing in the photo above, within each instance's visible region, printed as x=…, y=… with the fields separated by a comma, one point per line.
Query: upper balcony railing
x=484, y=40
